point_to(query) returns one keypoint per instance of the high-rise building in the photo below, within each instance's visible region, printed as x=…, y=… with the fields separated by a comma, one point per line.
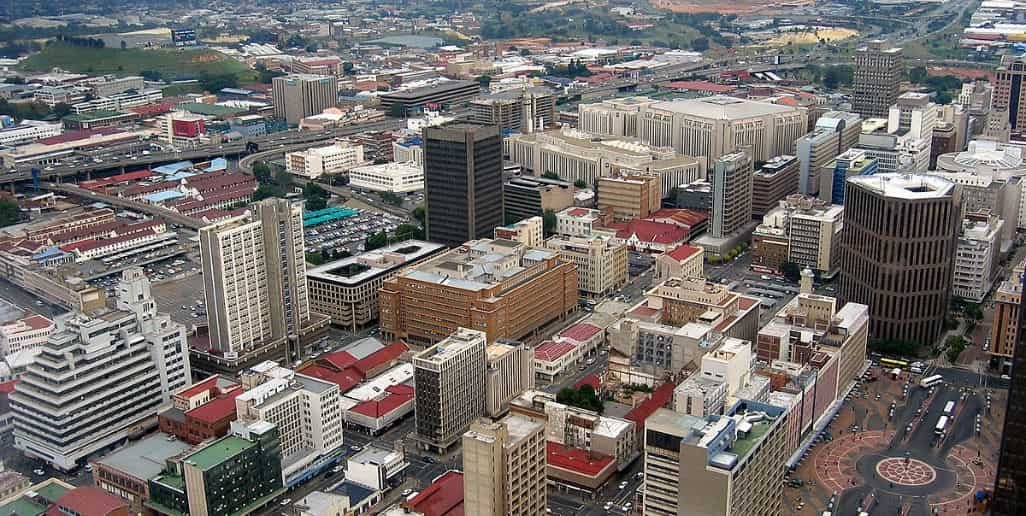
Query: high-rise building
x=732, y=194
x=298, y=96
x=519, y=111
x=528, y=196
x=306, y=410
x=614, y=117
x=450, y=378
x=897, y=253
x=502, y=287
x=1007, y=299
x=802, y=230
x=254, y=277
x=1010, y=489
x=629, y=196
x=976, y=256
x=835, y=173
x=504, y=467
x=877, y=81
x=510, y=373
x=463, y=182
x=1009, y=90
x=835, y=132
x=777, y=179
x=100, y=377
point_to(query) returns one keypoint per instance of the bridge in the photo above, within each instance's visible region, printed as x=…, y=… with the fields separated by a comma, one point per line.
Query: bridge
x=152, y=209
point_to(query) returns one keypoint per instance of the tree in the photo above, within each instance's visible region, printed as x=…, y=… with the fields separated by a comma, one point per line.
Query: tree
x=918, y=74
x=376, y=241
x=262, y=172
x=9, y=213
x=316, y=203
x=584, y=398
x=419, y=215
x=408, y=232
x=700, y=44
x=792, y=271
x=283, y=180
x=548, y=223
x=264, y=191
x=580, y=183
x=61, y=110
x=313, y=190
x=550, y=175
x=391, y=198
x=217, y=82
x=315, y=258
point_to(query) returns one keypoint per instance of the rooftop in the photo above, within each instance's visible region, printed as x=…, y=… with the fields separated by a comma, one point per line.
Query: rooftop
x=577, y=460
x=723, y=108
x=146, y=458
x=444, y=497
x=218, y=452
x=375, y=263
x=905, y=186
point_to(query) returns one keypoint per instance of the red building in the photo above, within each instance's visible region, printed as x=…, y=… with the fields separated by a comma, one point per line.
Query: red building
x=202, y=411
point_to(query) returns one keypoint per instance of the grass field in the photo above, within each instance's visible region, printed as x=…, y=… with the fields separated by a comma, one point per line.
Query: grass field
x=172, y=64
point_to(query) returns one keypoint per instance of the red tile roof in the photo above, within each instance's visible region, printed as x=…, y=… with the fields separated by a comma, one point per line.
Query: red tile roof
x=398, y=395
x=198, y=387
x=683, y=252
x=577, y=460
x=385, y=355
x=87, y=501
x=71, y=136
x=444, y=497
x=7, y=387
x=581, y=332
x=594, y=381
x=725, y=323
x=339, y=359
x=700, y=86
x=680, y=217
x=551, y=350
x=216, y=409
x=578, y=212
x=746, y=302
x=644, y=311
x=346, y=379
x=659, y=398
x=648, y=231
x=37, y=322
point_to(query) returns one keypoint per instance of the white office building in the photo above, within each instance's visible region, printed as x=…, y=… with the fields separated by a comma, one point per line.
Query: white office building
x=976, y=257
x=100, y=378
x=333, y=159
x=388, y=177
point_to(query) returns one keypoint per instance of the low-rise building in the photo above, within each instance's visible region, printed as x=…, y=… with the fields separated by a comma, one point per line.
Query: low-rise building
x=381, y=401
x=127, y=471
x=202, y=411
x=376, y=467
x=346, y=290
x=683, y=261
x=333, y=159
x=527, y=231
x=388, y=177
x=26, y=333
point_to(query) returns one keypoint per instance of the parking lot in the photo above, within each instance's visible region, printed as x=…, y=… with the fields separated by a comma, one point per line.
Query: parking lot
x=349, y=233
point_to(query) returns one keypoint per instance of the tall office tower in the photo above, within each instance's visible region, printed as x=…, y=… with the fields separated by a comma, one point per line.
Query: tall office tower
x=732, y=194
x=510, y=373
x=1010, y=490
x=835, y=132
x=100, y=377
x=298, y=96
x=504, y=467
x=897, y=253
x=450, y=381
x=877, y=81
x=915, y=117
x=1009, y=90
x=254, y=277
x=521, y=111
x=463, y=182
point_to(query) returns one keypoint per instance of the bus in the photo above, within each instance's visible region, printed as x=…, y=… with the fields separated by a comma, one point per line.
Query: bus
x=942, y=423
x=930, y=381
x=891, y=363
x=949, y=408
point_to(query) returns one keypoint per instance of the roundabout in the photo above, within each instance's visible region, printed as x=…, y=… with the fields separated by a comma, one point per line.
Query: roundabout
x=906, y=471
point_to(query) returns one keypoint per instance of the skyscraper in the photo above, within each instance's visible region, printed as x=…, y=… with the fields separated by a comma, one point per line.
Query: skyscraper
x=100, y=377
x=504, y=467
x=463, y=182
x=732, y=194
x=897, y=253
x=254, y=277
x=298, y=96
x=450, y=383
x=1009, y=88
x=877, y=80
x=1010, y=491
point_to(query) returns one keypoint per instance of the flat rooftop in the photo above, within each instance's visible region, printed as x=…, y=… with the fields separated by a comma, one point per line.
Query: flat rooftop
x=905, y=186
x=218, y=452
x=355, y=270
x=146, y=458
x=723, y=108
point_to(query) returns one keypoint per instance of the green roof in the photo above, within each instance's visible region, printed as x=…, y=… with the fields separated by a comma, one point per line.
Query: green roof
x=218, y=452
x=742, y=446
x=93, y=115
x=173, y=481
x=210, y=109
x=52, y=491
x=22, y=506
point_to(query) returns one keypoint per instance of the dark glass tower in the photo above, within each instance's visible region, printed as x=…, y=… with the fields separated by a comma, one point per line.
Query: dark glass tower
x=463, y=182
x=1010, y=491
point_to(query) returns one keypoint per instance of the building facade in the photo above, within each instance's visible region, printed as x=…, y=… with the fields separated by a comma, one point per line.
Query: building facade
x=450, y=378
x=298, y=96
x=601, y=261
x=877, y=81
x=504, y=467
x=388, y=177
x=629, y=196
x=731, y=194
x=333, y=159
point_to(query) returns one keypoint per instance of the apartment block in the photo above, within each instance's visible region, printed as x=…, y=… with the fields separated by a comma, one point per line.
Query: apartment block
x=501, y=287
x=337, y=158
x=601, y=261
x=346, y=290
x=450, y=377
x=504, y=467
x=254, y=278
x=100, y=377
x=977, y=256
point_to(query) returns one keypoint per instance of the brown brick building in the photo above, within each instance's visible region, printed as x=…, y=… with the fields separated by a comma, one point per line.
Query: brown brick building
x=500, y=287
